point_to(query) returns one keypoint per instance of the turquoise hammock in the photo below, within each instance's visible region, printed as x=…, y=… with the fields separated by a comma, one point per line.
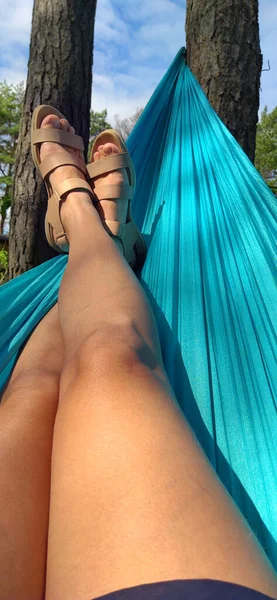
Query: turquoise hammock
x=209, y=221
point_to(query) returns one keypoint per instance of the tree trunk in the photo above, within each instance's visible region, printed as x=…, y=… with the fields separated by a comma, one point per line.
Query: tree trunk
x=223, y=52
x=7, y=194
x=3, y=215
x=60, y=74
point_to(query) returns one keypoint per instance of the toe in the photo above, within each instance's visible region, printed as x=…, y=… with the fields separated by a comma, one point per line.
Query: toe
x=110, y=149
x=66, y=127
x=96, y=156
x=64, y=124
x=51, y=121
x=65, y=171
x=78, y=153
x=47, y=147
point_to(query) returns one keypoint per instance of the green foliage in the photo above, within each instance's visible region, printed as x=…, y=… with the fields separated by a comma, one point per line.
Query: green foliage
x=266, y=148
x=4, y=262
x=11, y=101
x=98, y=123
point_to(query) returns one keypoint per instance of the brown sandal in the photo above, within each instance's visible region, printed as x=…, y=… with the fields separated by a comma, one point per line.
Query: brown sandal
x=54, y=228
x=126, y=235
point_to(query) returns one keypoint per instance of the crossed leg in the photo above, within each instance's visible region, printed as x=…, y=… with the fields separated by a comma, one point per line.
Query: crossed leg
x=133, y=498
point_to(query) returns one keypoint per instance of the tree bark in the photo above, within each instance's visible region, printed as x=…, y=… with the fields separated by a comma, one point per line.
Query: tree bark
x=2, y=221
x=223, y=52
x=60, y=74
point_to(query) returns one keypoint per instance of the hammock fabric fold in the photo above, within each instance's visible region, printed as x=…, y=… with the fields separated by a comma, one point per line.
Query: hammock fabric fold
x=209, y=221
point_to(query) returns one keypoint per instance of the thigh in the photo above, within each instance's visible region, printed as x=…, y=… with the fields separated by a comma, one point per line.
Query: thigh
x=133, y=498
x=27, y=416
x=44, y=350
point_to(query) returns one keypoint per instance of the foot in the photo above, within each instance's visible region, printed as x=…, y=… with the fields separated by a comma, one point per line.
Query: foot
x=64, y=172
x=110, y=210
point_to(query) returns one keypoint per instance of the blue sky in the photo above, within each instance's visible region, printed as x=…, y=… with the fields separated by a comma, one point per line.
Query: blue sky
x=135, y=41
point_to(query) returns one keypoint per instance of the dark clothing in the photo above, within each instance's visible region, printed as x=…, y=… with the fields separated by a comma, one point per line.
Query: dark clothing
x=186, y=589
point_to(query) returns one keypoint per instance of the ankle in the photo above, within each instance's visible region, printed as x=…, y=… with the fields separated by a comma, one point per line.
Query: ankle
x=75, y=208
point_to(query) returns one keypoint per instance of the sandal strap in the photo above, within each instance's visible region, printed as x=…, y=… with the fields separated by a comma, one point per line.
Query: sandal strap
x=53, y=211
x=110, y=163
x=52, y=134
x=71, y=184
x=121, y=191
x=126, y=232
x=115, y=227
x=53, y=217
x=58, y=159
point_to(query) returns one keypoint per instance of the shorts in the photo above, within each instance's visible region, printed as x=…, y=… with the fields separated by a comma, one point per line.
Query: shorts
x=186, y=589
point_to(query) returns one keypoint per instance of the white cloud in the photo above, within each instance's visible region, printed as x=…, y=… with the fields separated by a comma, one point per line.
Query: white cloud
x=135, y=41
x=109, y=27
x=122, y=105
x=106, y=33
x=16, y=19
x=146, y=11
x=117, y=97
x=151, y=38
x=102, y=82
x=14, y=72
x=152, y=29
x=141, y=40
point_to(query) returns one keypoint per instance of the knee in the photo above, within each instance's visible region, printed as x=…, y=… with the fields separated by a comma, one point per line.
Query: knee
x=114, y=349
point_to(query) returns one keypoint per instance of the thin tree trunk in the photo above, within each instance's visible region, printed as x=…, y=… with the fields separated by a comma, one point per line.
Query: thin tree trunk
x=2, y=220
x=223, y=52
x=60, y=74
x=8, y=192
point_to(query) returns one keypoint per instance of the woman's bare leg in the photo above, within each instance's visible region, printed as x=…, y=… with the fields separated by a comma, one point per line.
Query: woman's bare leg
x=27, y=415
x=133, y=498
